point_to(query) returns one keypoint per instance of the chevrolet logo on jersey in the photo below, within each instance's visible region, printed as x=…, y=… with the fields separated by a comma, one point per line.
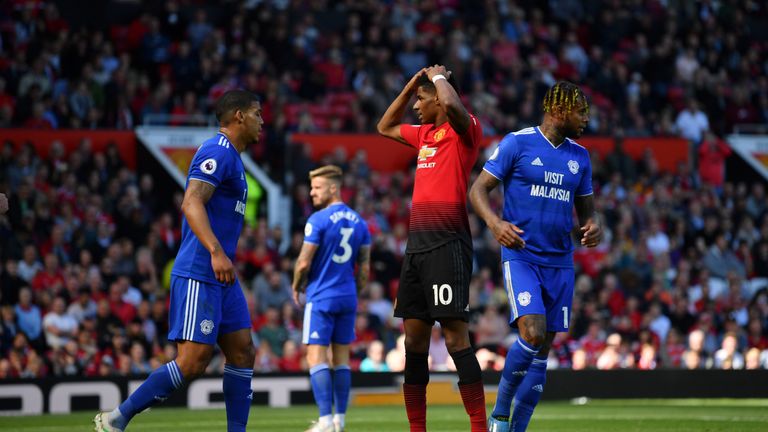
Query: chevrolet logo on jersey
x=426, y=152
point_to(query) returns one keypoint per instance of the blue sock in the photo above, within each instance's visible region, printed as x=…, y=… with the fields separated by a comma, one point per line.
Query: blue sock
x=237, y=396
x=342, y=381
x=528, y=394
x=322, y=388
x=519, y=358
x=158, y=386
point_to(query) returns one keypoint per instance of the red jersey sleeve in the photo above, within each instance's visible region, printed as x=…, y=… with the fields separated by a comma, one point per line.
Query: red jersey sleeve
x=474, y=133
x=410, y=134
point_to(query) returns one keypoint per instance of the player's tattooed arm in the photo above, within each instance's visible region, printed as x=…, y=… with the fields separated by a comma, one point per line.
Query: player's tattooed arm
x=507, y=234
x=458, y=116
x=363, y=267
x=589, y=221
x=196, y=196
x=301, y=269
x=389, y=125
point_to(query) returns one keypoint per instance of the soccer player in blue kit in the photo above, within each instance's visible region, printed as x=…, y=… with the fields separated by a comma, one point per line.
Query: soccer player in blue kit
x=545, y=175
x=336, y=239
x=207, y=303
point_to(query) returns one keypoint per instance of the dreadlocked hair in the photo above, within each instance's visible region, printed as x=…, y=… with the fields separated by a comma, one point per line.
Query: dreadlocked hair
x=561, y=97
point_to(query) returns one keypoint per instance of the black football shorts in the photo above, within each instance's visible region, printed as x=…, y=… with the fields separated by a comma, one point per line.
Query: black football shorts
x=435, y=284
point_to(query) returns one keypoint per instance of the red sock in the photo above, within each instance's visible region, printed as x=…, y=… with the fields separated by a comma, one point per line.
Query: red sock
x=473, y=397
x=416, y=406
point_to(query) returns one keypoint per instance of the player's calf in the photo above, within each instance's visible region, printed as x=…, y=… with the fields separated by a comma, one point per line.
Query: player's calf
x=157, y=387
x=516, y=366
x=471, y=387
x=416, y=375
x=528, y=395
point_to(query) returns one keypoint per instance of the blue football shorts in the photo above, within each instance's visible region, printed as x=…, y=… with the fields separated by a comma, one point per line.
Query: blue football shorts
x=539, y=290
x=200, y=311
x=330, y=320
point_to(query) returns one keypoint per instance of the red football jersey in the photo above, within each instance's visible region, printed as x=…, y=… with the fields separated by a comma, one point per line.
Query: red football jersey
x=445, y=160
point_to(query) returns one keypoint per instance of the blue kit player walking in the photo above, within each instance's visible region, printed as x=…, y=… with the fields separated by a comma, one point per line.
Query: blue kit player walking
x=336, y=239
x=207, y=303
x=545, y=174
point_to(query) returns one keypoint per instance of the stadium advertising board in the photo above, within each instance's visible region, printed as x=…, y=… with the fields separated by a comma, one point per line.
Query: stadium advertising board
x=174, y=148
x=125, y=141
x=753, y=149
x=60, y=396
x=65, y=395
x=385, y=156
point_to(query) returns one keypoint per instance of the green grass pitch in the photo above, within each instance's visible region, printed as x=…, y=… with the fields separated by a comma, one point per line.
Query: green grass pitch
x=673, y=415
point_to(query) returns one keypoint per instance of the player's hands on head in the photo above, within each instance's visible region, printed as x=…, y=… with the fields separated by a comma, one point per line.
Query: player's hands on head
x=222, y=267
x=413, y=84
x=592, y=234
x=508, y=235
x=435, y=70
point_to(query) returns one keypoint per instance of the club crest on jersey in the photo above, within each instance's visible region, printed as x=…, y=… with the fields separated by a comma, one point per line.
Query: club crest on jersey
x=573, y=166
x=439, y=135
x=426, y=152
x=208, y=166
x=206, y=326
x=524, y=298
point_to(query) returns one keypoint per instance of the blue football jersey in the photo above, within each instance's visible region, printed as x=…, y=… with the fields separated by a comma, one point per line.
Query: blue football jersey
x=217, y=162
x=339, y=232
x=540, y=183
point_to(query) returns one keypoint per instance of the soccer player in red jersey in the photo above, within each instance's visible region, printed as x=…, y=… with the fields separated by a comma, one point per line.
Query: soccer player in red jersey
x=434, y=282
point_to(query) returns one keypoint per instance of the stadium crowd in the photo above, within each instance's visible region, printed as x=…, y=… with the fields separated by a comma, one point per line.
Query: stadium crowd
x=679, y=281
x=650, y=67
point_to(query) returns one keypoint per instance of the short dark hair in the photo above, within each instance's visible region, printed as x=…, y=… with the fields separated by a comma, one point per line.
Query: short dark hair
x=232, y=101
x=429, y=86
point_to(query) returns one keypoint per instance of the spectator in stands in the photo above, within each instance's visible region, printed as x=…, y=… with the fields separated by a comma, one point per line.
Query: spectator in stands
x=10, y=283
x=138, y=362
x=618, y=161
x=696, y=357
x=712, y=155
x=491, y=328
x=60, y=327
x=120, y=308
x=28, y=314
x=721, y=261
x=272, y=288
x=396, y=357
x=378, y=304
x=107, y=324
x=29, y=265
x=752, y=359
x=8, y=328
x=293, y=360
x=83, y=307
x=50, y=278
x=272, y=332
x=691, y=122
x=374, y=360
x=728, y=356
